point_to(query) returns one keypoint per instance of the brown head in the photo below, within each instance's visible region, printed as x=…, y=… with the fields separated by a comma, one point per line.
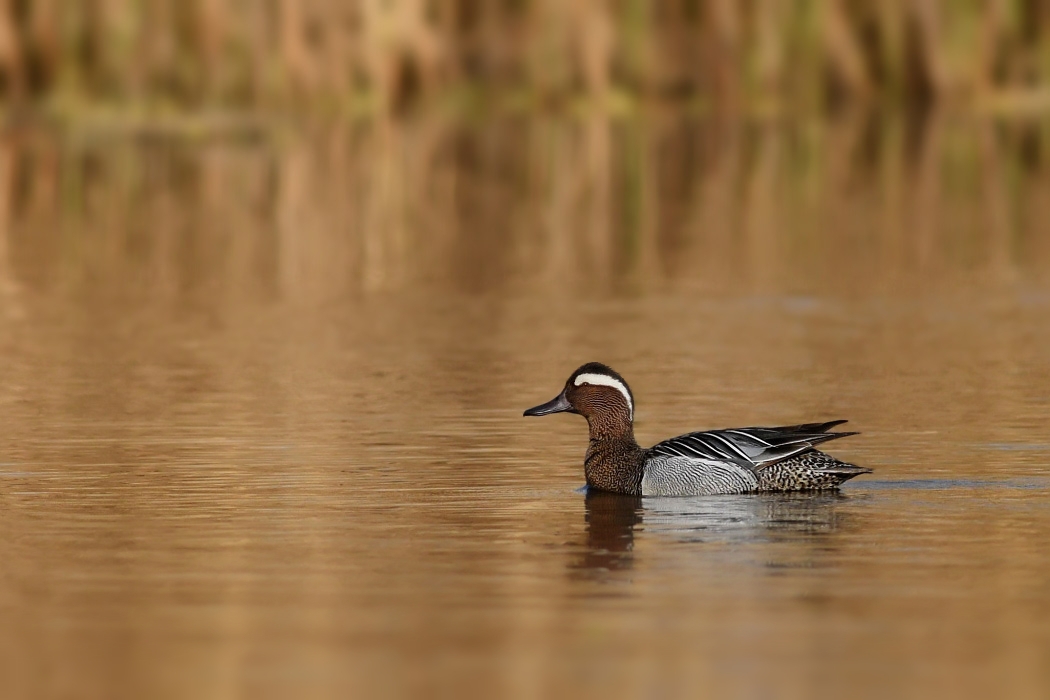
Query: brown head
x=599, y=394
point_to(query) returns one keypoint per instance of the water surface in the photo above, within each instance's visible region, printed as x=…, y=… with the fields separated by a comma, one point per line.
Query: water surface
x=261, y=406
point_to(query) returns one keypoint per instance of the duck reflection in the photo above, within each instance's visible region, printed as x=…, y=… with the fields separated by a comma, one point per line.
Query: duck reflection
x=613, y=519
x=750, y=517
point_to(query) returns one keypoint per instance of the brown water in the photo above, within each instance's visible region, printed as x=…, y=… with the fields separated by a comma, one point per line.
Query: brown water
x=261, y=403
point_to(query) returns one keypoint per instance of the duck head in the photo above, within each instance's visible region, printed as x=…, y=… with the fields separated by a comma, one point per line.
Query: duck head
x=596, y=392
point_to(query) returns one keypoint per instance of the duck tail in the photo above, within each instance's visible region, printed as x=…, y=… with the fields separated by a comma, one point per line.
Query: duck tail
x=808, y=471
x=845, y=470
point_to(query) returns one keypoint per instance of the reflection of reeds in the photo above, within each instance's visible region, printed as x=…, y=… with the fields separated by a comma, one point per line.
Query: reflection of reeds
x=588, y=204
x=328, y=53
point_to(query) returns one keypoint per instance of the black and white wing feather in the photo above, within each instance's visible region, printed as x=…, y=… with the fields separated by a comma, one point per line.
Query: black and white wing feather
x=753, y=448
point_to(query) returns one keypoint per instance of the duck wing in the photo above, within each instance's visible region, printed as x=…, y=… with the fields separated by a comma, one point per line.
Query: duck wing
x=753, y=448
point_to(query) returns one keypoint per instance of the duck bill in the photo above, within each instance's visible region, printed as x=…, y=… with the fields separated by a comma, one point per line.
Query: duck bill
x=556, y=405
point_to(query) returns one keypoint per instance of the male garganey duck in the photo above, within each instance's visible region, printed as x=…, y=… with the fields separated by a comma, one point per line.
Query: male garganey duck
x=737, y=460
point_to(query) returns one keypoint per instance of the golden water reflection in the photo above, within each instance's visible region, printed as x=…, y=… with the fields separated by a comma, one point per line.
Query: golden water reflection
x=262, y=401
x=530, y=206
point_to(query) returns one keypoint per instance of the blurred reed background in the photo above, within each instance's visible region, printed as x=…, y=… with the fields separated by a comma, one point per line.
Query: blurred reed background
x=620, y=140
x=385, y=54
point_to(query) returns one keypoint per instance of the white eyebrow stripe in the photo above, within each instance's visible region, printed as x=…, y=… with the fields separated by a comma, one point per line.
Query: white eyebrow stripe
x=606, y=380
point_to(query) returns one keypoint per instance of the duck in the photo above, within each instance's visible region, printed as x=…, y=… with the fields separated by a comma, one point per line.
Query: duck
x=704, y=463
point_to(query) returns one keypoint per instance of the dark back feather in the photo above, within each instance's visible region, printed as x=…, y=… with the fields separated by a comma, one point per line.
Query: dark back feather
x=753, y=448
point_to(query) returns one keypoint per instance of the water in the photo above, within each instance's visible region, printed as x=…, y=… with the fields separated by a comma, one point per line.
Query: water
x=261, y=406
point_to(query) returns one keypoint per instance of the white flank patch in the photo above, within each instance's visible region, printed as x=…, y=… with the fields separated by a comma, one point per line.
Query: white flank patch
x=606, y=380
